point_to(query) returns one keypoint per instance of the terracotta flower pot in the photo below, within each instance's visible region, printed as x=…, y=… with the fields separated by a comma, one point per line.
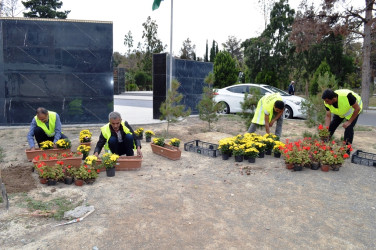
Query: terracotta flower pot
x=78, y=182
x=43, y=180
x=125, y=163
x=325, y=167
x=289, y=165
x=168, y=151
x=85, y=143
x=30, y=154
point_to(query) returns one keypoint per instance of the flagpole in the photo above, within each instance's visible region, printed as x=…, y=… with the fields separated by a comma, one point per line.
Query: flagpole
x=172, y=8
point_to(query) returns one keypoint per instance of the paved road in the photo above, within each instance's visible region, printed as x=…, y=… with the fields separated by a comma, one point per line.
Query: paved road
x=368, y=117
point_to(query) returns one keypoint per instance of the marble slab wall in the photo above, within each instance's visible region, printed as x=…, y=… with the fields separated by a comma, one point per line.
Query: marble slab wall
x=190, y=74
x=62, y=65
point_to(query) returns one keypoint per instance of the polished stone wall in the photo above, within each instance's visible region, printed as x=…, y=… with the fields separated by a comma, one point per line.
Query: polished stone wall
x=62, y=65
x=190, y=74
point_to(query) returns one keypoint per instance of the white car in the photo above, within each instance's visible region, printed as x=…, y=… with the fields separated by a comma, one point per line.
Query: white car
x=233, y=95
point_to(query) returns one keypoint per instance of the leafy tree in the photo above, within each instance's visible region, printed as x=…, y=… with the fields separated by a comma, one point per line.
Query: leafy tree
x=314, y=107
x=272, y=52
x=10, y=8
x=225, y=70
x=213, y=51
x=170, y=109
x=188, y=50
x=206, y=57
x=143, y=80
x=233, y=46
x=45, y=9
x=321, y=70
x=128, y=41
x=151, y=43
x=208, y=108
x=311, y=27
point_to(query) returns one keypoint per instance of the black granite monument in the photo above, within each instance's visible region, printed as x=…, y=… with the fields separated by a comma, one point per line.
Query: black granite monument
x=62, y=65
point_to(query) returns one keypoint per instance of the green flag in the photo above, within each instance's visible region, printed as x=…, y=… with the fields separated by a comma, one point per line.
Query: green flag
x=156, y=4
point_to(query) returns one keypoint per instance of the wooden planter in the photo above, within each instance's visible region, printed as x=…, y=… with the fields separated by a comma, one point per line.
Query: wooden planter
x=30, y=154
x=85, y=143
x=168, y=151
x=73, y=161
x=125, y=163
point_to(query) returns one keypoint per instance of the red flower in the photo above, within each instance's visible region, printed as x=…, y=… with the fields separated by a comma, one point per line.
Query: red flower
x=37, y=158
x=321, y=126
x=346, y=156
x=333, y=142
x=69, y=166
x=98, y=171
x=89, y=171
x=85, y=166
x=315, y=152
x=44, y=155
x=335, y=156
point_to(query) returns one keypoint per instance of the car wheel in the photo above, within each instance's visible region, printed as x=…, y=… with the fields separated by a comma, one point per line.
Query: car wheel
x=225, y=109
x=288, y=113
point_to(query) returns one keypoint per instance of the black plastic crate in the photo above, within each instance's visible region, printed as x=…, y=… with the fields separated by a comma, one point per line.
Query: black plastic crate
x=201, y=147
x=364, y=158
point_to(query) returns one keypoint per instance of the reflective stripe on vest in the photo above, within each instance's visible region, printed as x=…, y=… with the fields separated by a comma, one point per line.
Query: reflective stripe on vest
x=344, y=110
x=265, y=103
x=106, y=132
x=50, y=131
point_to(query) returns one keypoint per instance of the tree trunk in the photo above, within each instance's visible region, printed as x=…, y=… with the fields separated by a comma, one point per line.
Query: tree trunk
x=366, y=66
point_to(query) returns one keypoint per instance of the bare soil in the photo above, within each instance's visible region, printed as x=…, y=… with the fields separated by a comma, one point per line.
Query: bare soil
x=197, y=202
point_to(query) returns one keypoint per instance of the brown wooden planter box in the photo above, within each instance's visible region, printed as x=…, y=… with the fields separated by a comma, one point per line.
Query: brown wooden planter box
x=73, y=161
x=30, y=154
x=125, y=163
x=168, y=151
x=85, y=143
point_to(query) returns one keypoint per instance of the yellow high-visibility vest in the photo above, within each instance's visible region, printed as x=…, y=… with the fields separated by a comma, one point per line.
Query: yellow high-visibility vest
x=344, y=110
x=265, y=103
x=50, y=131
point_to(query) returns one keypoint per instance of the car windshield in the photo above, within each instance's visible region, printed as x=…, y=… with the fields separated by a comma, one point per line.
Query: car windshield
x=276, y=90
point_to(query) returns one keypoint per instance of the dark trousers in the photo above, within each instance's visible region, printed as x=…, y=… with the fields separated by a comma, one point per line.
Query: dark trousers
x=121, y=148
x=349, y=131
x=40, y=136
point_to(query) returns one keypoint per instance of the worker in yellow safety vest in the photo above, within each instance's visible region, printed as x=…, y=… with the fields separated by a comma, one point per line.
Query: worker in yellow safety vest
x=269, y=110
x=45, y=126
x=345, y=105
x=117, y=137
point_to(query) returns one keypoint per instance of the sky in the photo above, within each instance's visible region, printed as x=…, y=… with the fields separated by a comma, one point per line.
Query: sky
x=198, y=20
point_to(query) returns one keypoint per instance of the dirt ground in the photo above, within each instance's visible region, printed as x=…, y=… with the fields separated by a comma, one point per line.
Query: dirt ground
x=196, y=202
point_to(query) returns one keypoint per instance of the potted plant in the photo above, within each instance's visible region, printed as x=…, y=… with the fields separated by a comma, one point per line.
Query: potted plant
x=268, y=140
x=85, y=137
x=109, y=162
x=64, y=143
x=174, y=142
x=238, y=152
x=159, y=147
x=224, y=147
x=139, y=133
x=251, y=153
x=84, y=150
x=80, y=175
x=53, y=174
x=277, y=149
x=323, y=133
x=46, y=145
x=261, y=148
x=68, y=171
x=148, y=135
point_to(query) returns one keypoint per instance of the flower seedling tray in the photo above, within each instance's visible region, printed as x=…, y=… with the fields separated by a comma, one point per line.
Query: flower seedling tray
x=201, y=147
x=364, y=158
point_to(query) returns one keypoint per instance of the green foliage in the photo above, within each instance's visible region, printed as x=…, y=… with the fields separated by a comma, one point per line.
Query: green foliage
x=45, y=9
x=266, y=77
x=213, y=51
x=225, y=71
x=208, y=108
x=75, y=107
x=151, y=43
x=143, y=80
x=249, y=105
x=171, y=110
x=321, y=70
x=314, y=107
x=132, y=87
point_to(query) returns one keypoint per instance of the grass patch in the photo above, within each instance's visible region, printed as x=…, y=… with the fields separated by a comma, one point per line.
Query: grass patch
x=56, y=207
